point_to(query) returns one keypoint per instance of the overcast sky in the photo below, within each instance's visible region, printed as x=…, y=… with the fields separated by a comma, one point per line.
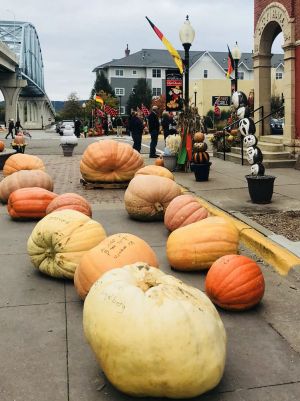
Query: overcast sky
x=76, y=35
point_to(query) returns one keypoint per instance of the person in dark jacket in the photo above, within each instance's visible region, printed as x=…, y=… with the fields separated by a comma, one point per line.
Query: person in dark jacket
x=77, y=127
x=136, y=128
x=153, y=124
x=165, y=122
x=17, y=127
x=11, y=127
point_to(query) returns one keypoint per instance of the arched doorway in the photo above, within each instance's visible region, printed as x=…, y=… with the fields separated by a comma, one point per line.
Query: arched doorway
x=270, y=22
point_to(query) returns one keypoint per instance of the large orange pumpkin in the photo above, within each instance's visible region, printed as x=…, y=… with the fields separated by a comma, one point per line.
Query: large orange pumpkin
x=29, y=203
x=184, y=210
x=235, y=282
x=20, y=161
x=110, y=161
x=148, y=196
x=198, y=245
x=114, y=251
x=24, y=179
x=155, y=170
x=70, y=201
x=2, y=146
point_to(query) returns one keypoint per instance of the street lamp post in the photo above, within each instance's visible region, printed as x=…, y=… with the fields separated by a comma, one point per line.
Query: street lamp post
x=120, y=102
x=236, y=55
x=186, y=34
x=195, y=94
x=84, y=107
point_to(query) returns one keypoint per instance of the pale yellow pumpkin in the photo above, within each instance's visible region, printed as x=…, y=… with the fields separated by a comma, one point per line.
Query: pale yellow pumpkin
x=148, y=196
x=155, y=170
x=198, y=245
x=153, y=335
x=59, y=240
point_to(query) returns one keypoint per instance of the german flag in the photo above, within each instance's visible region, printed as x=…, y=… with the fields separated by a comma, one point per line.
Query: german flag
x=230, y=63
x=174, y=53
x=99, y=99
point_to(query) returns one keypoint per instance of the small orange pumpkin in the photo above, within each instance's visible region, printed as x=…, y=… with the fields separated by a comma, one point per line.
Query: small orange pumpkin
x=235, y=282
x=159, y=161
x=29, y=203
x=184, y=210
x=19, y=139
x=2, y=146
x=199, y=137
x=70, y=201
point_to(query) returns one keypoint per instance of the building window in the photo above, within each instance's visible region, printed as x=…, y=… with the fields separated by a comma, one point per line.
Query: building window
x=241, y=75
x=156, y=73
x=119, y=91
x=119, y=73
x=134, y=72
x=279, y=75
x=156, y=91
x=122, y=109
x=205, y=74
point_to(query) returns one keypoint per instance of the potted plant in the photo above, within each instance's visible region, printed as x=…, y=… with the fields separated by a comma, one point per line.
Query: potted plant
x=200, y=163
x=68, y=144
x=171, y=151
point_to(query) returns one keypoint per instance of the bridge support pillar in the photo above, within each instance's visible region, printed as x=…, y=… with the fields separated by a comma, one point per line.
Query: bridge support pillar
x=11, y=87
x=35, y=112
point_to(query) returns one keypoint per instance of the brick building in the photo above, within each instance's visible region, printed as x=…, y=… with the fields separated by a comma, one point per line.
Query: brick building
x=271, y=18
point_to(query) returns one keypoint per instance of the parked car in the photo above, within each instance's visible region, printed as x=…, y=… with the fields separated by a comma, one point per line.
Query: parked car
x=64, y=124
x=277, y=125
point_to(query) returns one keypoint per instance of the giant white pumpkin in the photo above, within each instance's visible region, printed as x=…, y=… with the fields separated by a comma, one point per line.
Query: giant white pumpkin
x=154, y=335
x=59, y=240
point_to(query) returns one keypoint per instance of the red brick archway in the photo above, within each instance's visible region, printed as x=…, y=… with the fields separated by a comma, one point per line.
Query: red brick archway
x=271, y=18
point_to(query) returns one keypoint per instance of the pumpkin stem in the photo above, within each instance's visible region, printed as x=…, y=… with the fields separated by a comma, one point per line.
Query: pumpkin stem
x=147, y=282
x=158, y=206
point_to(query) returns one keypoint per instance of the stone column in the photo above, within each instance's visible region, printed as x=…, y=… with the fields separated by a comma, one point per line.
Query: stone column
x=289, y=95
x=11, y=87
x=262, y=89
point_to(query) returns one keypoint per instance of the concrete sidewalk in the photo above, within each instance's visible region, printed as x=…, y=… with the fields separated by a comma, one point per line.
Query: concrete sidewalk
x=43, y=354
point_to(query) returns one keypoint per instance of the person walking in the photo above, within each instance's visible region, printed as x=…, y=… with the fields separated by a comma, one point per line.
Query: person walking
x=165, y=122
x=11, y=127
x=17, y=127
x=85, y=129
x=136, y=129
x=77, y=127
x=153, y=123
x=119, y=124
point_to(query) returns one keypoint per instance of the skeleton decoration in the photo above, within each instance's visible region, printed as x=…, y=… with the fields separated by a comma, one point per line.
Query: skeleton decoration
x=247, y=129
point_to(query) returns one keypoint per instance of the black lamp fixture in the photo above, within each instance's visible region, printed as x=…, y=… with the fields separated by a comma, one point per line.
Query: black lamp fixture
x=187, y=35
x=236, y=55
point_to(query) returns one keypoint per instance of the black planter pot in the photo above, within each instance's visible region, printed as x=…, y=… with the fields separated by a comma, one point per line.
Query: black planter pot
x=260, y=188
x=201, y=171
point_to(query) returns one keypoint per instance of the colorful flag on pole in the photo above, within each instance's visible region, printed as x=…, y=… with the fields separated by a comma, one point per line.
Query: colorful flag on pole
x=110, y=110
x=145, y=111
x=174, y=53
x=230, y=64
x=99, y=99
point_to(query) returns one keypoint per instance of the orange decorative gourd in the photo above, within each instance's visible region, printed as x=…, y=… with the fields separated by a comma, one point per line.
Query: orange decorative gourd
x=155, y=170
x=29, y=203
x=70, y=201
x=147, y=197
x=198, y=245
x=24, y=179
x=19, y=139
x=235, y=282
x=114, y=251
x=110, y=161
x=20, y=161
x=199, y=137
x=2, y=146
x=159, y=161
x=184, y=210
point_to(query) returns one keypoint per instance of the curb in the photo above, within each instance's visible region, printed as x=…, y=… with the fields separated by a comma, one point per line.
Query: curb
x=254, y=237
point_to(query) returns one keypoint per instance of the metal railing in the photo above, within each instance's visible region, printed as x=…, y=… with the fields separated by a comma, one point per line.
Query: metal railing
x=262, y=117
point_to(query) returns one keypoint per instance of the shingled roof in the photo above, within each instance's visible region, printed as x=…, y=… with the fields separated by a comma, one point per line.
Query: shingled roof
x=162, y=58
